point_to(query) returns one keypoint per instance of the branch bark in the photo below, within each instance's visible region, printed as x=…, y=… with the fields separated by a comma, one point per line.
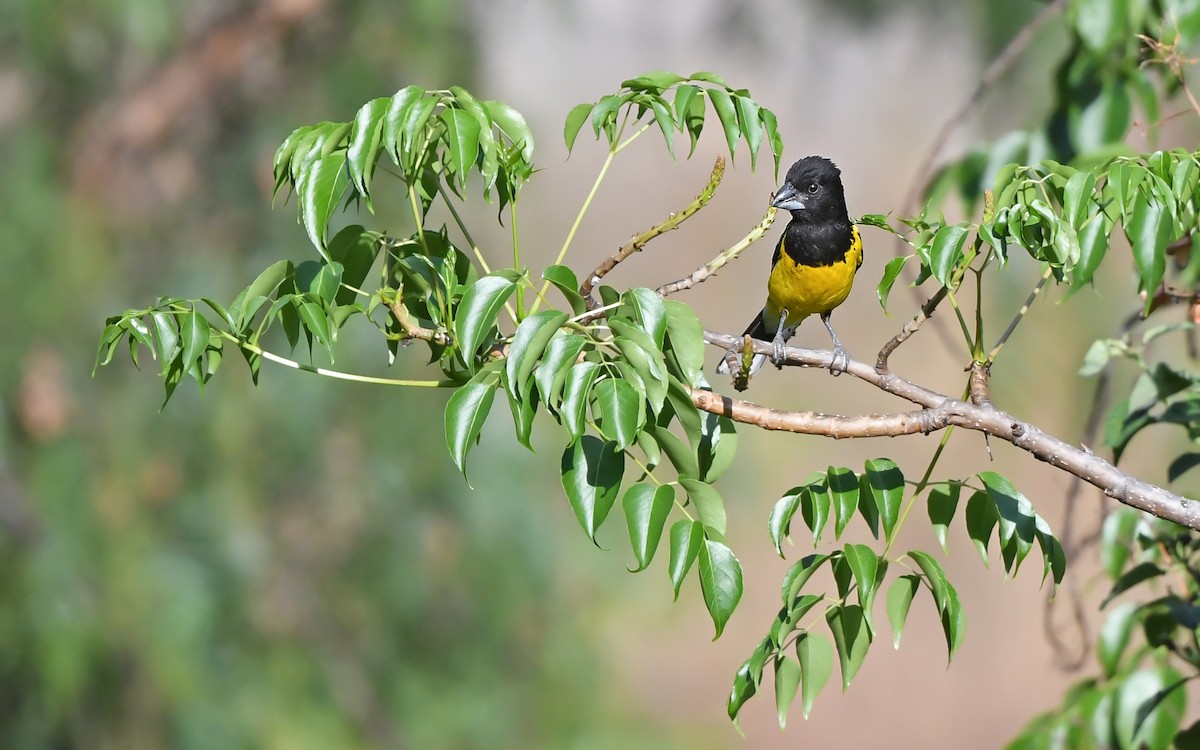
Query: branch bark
x=938, y=412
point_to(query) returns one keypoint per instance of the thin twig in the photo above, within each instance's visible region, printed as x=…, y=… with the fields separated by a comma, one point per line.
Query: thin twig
x=911, y=327
x=940, y=411
x=1012, y=325
x=723, y=258
x=638, y=242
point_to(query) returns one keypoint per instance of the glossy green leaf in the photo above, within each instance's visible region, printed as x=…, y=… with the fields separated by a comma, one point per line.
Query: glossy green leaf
x=718, y=446
x=815, y=506
x=946, y=599
x=577, y=392
x=720, y=582
x=787, y=684
x=686, y=539
x=981, y=520
x=886, y=484
x=528, y=344
x=941, y=504
x=557, y=360
x=946, y=252
x=666, y=123
x=646, y=508
x=1149, y=230
x=320, y=189
x=816, y=667
x=746, y=681
x=251, y=299
x=851, y=638
x=709, y=505
x=462, y=141
x=899, y=599
x=393, y=122
x=591, y=475
x=574, y=123
x=891, y=272
x=365, y=138
x=798, y=575
x=166, y=338
x=1017, y=520
x=620, y=408
x=651, y=312
x=512, y=123
x=563, y=279
x=748, y=123
x=1116, y=536
x=843, y=490
x=865, y=565
x=780, y=520
x=727, y=114
x=193, y=333
x=466, y=412
x=327, y=281
x=523, y=408
x=685, y=334
x=480, y=305
x=315, y=323
x=678, y=452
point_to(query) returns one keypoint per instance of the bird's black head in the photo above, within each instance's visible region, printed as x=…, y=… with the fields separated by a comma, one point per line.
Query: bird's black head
x=813, y=191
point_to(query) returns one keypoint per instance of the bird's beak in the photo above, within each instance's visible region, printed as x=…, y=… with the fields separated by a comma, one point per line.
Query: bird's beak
x=788, y=198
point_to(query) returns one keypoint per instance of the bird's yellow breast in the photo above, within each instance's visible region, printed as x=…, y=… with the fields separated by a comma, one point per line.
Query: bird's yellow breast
x=805, y=290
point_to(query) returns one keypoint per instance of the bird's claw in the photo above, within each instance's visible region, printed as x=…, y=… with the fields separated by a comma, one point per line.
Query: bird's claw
x=840, y=361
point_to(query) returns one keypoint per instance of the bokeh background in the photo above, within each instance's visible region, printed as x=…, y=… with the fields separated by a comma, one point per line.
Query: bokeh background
x=299, y=565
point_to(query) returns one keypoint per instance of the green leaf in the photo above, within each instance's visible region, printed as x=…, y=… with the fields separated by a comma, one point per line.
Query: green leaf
x=1077, y=198
x=771, y=126
x=512, y=123
x=577, y=390
x=559, y=357
x=523, y=408
x=327, y=281
x=686, y=539
x=946, y=599
x=717, y=447
x=1114, y=637
x=748, y=122
x=747, y=679
x=780, y=521
x=315, y=322
x=798, y=575
x=646, y=508
x=320, y=190
x=843, y=489
x=1017, y=520
x=709, y=505
x=1099, y=23
x=947, y=252
x=787, y=683
x=466, y=412
x=851, y=637
x=1116, y=536
x=262, y=288
x=727, y=114
x=816, y=667
x=575, y=120
x=678, y=452
x=462, y=141
x=865, y=565
x=1149, y=230
x=1139, y=573
x=720, y=582
x=620, y=407
x=477, y=312
x=194, y=333
x=981, y=519
x=393, y=122
x=591, y=475
x=899, y=599
x=886, y=483
x=651, y=312
x=363, y=148
x=166, y=337
x=563, y=279
x=666, y=123
x=814, y=507
x=890, y=273
x=685, y=335
x=941, y=503
x=528, y=344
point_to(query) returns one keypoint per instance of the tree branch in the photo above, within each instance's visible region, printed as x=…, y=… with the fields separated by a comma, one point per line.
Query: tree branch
x=940, y=411
x=636, y=243
x=911, y=327
x=702, y=273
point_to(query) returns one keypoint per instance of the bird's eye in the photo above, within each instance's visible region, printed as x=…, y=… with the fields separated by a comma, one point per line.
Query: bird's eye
x=813, y=187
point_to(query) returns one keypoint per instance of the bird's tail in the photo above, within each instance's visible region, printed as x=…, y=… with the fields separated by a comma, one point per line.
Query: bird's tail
x=757, y=330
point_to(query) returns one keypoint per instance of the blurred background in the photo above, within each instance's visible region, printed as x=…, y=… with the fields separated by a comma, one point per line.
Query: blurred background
x=299, y=565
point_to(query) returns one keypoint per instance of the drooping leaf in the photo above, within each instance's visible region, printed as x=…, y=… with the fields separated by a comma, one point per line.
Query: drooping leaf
x=577, y=391
x=720, y=582
x=646, y=508
x=886, y=484
x=686, y=539
x=843, y=489
x=779, y=522
x=466, y=412
x=574, y=122
x=591, y=475
x=851, y=637
x=528, y=343
x=709, y=505
x=787, y=684
x=320, y=189
x=620, y=408
x=899, y=599
x=481, y=302
x=941, y=504
x=816, y=667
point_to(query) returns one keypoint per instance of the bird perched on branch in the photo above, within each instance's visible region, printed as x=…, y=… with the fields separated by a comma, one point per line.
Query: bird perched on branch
x=814, y=263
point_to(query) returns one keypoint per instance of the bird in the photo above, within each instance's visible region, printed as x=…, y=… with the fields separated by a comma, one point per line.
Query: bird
x=814, y=263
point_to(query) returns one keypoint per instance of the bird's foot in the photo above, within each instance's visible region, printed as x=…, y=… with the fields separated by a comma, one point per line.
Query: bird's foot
x=840, y=362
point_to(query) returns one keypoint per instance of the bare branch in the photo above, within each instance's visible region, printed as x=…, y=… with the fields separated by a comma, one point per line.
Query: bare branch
x=911, y=327
x=413, y=330
x=702, y=273
x=987, y=419
x=637, y=243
